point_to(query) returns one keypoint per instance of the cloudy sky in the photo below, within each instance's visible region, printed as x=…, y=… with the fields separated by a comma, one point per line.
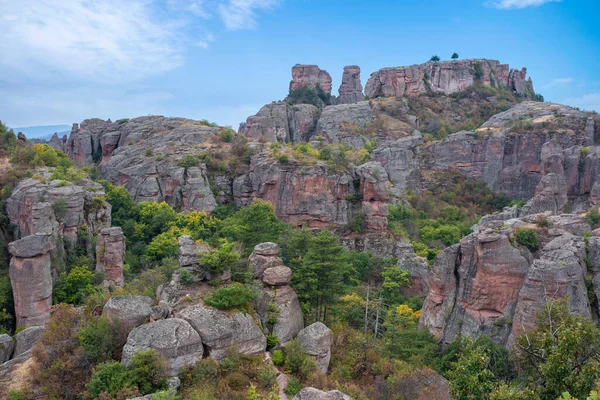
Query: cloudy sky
x=64, y=61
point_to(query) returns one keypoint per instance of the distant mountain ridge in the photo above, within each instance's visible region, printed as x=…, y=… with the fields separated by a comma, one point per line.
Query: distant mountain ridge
x=43, y=131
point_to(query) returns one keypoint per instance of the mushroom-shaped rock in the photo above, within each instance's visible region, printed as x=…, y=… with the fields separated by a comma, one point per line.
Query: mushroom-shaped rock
x=316, y=340
x=310, y=393
x=264, y=256
x=131, y=311
x=277, y=276
x=220, y=330
x=6, y=347
x=26, y=339
x=174, y=339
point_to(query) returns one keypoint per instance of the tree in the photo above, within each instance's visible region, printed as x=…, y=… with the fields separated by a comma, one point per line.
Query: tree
x=75, y=286
x=454, y=56
x=221, y=258
x=435, y=58
x=469, y=377
x=561, y=355
x=318, y=278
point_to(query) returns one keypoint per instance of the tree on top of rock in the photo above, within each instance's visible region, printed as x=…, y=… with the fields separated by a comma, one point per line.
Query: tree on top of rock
x=435, y=58
x=454, y=56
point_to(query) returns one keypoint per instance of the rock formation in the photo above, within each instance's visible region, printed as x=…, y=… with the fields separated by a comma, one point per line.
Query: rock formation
x=221, y=331
x=130, y=311
x=316, y=340
x=445, y=77
x=276, y=300
x=351, y=90
x=31, y=278
x=174, y=339
x=190, y=254
x=374, y=192
x=6, y=347
x=110, y=253
x=310, y=393
x=280, y=122
x=26, y=339
x=310, y=76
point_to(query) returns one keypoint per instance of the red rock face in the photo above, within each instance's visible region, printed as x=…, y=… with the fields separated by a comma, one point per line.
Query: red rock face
x=310, y=76
x=31, y=281
x=110, y=253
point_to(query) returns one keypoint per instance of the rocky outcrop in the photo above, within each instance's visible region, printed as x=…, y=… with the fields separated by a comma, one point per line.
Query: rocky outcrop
x=310, y=76
x=58, y=143
x=110, y=254
x=6, y=347
x=281, y=122
x=277, y=304
x=26, y=339
x=130, y=311
x=142, y=154
x=190, y=255
x=174, y=339
x=374, y=192
x=316, y=340
x=313, y=196
x=221, y=331
x=351, y=90
x=445, y=77
x=31, y=278
x=310, y=393
x=342, y=124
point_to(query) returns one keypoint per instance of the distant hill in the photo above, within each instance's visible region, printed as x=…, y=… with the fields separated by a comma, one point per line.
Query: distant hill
x=43, y=131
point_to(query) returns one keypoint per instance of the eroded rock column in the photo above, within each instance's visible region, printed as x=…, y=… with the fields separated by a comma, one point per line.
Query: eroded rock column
x=110, y=253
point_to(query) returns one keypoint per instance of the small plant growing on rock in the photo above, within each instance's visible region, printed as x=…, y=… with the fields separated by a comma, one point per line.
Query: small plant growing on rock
x=186, y=276
x=235, y=295
x=272, y=341
x=278, y=358
x=284, y=159
x=149, y=152
x=293, y=387
x=527, y=238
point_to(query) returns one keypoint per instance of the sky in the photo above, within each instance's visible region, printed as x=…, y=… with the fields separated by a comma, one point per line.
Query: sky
x=64, y=61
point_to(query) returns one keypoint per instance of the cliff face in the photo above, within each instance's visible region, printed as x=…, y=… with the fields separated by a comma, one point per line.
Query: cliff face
x=446, y=77
x=310, y=76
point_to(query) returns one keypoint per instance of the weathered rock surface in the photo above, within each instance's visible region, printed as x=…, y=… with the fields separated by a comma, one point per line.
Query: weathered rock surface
x=445, y=77
x=316, y=340
x=277, y=276
x=220, y=330
x=110, y=255
x=310, y=76
x=26, y=339
x=374, y=191
x=310, y=393
x=190, y=254
x=172, y=338
x=282, y=122
x=131, y=311
x=351, y=90
x=288, y=314
x=31, y=278
x=6, y=347
x=342, y=124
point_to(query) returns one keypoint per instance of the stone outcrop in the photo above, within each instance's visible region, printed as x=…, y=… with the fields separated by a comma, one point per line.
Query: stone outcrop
x=31, y=278
x=310, y=393
x=173, y=338
x=275, y=299
x=58, y=143
x=26, y=339
x=310, y=76
x=315, y=197
x=282, y=122
x=130, y=311
x=486, y=286
x=342, y=124
x=316, y=340
x=374, y=192
x=351, y=90
x=110, y=254
x=142, y=154
x=190, y=254
x=221, y=331
x=6, y=347
x=445, y=77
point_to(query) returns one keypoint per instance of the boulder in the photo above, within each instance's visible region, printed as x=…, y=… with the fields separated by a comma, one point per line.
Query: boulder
x=351, y=88
x=310, y=76
x=264, y=257
x=32, y=246
x=190, y=253
x=267, y=249
x=316, y=340
x=310, y=393
x=131, y=311
x=221, y=330
x=288, y=313
x=6, y=347
x=26, y=339
x=110, y=255
x=277, y=276
x=174, y=339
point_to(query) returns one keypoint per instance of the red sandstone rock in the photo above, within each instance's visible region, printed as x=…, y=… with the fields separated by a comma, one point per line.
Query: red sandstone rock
x=310, y=76
x=110, y=253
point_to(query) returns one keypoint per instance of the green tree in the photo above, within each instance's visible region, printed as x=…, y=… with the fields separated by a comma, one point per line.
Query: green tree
x=101, y=339
x=319, y=277
x=75, y=286
x=8, y=139
x=234, y=295
x=435, y=58
x=221, y=258
x=469, y=376
x=454, y=56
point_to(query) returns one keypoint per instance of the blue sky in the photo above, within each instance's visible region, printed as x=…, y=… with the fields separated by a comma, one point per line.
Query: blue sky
x=62, y=62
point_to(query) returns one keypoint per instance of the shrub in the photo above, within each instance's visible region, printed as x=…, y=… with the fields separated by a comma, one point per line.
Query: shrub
x=20, y=394
x=297, y=361
x=149, y=152
x=188, y=161
x=101, y=339
x=109, y=377
x=74, y=287
x=293, y=387
x=266, y=375
x=235, y=295
x=186, y=276
x=527, y=238
x=593, y=217
x=226, y=135
x=221, y=258
x=278, y=358
x=284, y=159
x=435, y=58
x=60, y=208
x=272, y=341
x=149, y=371
x=204, y=370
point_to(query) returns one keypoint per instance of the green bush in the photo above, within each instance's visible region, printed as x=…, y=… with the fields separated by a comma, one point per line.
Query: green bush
x=297, y=362
x=593, y=217
x=60, y=207
x=527, y=238
x=221, y=258
x=235, y=295
x=278, y=358
x=272, y=341
x=188, y=161
x=293, y=387
x=186, y=276
x=109, y=377
x=20, y=394
x=149, y=371
x=101, y=339
x=284, y=159
x=266, y=375
x=149, y=152
x=74, y=287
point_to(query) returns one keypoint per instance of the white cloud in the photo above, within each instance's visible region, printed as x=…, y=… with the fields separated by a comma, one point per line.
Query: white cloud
x=558, y=81
x=518, y=4
x=588, y=102
x=102, y=40
x=241, y=14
